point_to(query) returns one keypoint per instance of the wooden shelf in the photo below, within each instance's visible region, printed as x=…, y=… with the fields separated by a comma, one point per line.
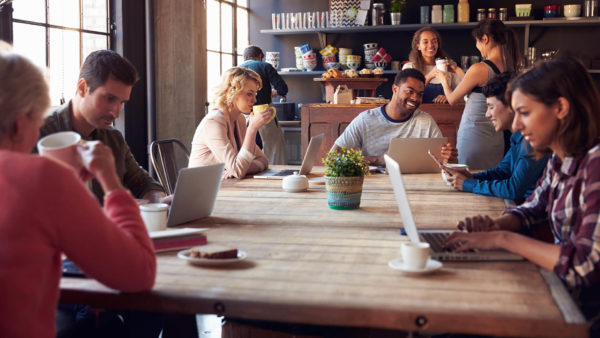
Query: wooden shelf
x=319, y=72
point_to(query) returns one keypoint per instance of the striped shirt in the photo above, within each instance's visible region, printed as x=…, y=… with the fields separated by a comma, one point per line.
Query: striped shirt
x=568, y=198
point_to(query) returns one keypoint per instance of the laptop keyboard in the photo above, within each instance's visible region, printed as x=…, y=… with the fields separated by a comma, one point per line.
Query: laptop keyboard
x=436, y=240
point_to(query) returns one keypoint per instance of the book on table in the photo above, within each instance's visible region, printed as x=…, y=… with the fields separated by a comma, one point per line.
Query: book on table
x=174, y=239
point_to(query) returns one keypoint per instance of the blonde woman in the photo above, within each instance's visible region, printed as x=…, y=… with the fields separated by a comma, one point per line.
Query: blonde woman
x=222, y=136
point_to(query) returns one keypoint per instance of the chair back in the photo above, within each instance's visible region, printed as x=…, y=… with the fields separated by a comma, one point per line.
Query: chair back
x=168, y=157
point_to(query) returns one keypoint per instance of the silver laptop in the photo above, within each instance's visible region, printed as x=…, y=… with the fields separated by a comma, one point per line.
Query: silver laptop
x=307, y=163
x=411, y=153
x=435, y=238
x=195, y=193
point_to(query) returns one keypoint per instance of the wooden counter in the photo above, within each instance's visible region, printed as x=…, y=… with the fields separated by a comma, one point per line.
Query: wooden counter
x=332, y=119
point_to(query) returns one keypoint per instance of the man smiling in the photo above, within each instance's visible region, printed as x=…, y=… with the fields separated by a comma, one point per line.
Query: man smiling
x=372, y=130
x=104, y=85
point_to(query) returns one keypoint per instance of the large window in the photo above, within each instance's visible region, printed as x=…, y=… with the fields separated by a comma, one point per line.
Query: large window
x=227, y=36
x=59, y=34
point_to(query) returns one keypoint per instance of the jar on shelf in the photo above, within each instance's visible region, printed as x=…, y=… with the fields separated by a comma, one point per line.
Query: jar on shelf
x=503, y=14
x=480, y=14
x=436, y=14
x=463, y=11
x=378, y=14
x=492, y=14
x=448, y=14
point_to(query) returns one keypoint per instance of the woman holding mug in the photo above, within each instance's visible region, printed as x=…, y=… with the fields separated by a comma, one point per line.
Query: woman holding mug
x=426, y=47
x=556, y=107
x=47, y=211
x=222, y=136
x=479, y=145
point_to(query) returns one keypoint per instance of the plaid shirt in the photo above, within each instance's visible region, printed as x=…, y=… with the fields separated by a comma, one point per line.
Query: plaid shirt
x=568, y=198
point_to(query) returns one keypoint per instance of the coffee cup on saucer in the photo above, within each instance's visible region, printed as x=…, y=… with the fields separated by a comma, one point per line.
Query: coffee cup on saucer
x=415, y=255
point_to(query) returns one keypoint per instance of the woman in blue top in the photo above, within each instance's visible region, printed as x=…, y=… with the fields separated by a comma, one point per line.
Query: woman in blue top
x=515, y=177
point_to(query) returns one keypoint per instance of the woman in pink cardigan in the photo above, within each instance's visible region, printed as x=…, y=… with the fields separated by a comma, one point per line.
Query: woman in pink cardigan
x=47, y=211
x=222, y=136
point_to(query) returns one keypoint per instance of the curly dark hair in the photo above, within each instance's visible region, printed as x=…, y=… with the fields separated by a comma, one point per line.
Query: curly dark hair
x=496, y=87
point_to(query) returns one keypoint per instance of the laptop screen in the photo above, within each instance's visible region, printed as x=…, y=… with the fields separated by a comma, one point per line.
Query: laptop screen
x=408, y=221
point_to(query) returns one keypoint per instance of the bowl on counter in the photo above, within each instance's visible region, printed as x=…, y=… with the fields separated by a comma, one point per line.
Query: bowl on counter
x=572, y=11
x=551, y=11
x=523, y=10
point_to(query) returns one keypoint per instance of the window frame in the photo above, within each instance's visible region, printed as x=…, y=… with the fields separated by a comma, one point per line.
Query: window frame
x=235, y=53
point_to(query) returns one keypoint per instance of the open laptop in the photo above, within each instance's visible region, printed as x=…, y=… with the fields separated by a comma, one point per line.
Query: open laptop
x=435, y=238
x=307, y=163
x=411, y=153
x=195, y=193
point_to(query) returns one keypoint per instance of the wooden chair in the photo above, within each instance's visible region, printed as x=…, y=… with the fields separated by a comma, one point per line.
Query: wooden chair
x=168, y=157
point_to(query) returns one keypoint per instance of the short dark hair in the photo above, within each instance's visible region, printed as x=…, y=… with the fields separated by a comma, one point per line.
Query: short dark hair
x=253, y=52
x=406, y=73
x=497, y=87
x=101, y=64
x=565, y=77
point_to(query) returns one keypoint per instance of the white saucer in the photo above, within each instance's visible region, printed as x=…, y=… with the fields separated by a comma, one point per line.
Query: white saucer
x=398, y=264
x=185, y=255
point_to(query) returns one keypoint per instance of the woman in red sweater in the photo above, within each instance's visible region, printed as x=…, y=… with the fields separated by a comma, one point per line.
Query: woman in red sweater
x=47, y=211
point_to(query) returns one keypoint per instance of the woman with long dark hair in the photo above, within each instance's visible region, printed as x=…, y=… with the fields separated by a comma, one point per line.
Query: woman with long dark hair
x=479, y=145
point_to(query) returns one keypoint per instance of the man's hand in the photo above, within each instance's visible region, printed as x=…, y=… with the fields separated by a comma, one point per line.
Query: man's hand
x=157, y=196
x=449, y=154
x=478, y=223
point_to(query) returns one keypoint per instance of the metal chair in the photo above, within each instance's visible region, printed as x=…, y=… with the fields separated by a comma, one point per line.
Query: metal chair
x=168, y=157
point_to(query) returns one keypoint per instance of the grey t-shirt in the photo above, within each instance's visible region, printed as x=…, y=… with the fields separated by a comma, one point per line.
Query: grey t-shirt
x=372, y=130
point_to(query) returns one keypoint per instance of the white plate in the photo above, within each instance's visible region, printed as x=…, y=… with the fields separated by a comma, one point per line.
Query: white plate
x=398, y=264
x=185, y=255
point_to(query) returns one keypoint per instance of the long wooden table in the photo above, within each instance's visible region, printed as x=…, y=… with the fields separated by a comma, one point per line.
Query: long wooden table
x=310, y=264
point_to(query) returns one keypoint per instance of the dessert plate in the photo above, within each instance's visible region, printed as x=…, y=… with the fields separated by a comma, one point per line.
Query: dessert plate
x=185, y=255
x=398, y=264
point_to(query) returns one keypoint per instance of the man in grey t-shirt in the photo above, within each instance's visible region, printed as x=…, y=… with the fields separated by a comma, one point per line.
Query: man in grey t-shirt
x=372, y=130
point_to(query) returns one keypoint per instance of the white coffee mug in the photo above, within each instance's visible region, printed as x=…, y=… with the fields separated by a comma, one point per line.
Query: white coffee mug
x=442, y=64
x=63, y=147
x=456, y=166
x=154, y=216
x=415, y=255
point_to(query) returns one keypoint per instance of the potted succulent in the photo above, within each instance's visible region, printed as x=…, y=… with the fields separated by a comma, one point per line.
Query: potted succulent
x=397, y=7
x=345, y=170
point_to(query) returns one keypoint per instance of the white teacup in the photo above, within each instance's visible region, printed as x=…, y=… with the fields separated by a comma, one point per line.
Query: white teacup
x=154, y=216
x=415, y=255
x=456, y=166
x=63, y=147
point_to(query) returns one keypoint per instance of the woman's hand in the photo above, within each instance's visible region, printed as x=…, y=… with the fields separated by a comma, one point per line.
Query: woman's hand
x=440, y=99
x=99, y=161
x=456, y=178
x=257, y=120
x=442, y=76
x=461, y=241
x=430, y=76
x=449, y=154
x=479, y=223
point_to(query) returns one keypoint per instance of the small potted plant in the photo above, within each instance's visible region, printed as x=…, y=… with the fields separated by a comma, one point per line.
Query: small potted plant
x=345, y=170
x=397, y=7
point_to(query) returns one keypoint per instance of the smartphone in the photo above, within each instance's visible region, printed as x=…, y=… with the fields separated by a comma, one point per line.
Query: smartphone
x=444, y=168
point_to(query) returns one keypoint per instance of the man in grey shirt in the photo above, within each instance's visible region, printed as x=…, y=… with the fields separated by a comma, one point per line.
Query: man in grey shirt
x=104, y=85
x=372, y=130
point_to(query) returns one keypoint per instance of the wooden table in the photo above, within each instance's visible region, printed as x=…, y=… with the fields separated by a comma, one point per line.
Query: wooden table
x=369, y=85
x=310, y=264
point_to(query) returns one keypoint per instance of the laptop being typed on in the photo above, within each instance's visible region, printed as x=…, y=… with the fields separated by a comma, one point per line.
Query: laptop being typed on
x=411, y=153
x=195, y=193
x=435, y=238
x=307, y=163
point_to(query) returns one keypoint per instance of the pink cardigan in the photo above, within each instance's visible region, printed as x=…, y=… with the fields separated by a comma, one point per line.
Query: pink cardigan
x=215, y=142
x=46, y=211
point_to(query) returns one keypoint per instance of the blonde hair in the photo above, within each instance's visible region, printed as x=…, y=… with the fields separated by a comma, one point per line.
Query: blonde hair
x=23, y=89
x=232, y=83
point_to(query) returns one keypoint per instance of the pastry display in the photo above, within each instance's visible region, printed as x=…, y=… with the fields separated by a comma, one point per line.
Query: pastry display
x=365, y=72
x=377, y=72
x=332, y=74
x=351, y=73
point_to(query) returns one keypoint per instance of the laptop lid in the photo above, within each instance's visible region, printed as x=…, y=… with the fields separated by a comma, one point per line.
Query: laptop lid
x=307, y=163
x=411, y=230
x=195, y=193
x=411, y=153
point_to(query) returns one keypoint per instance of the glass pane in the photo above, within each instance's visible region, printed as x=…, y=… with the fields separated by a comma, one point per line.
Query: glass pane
x=242, y=3
x=32, y=10
x=30, y=41
x=212, y=25
x=240, y=59
x=64, y=64
x=94, y=15
x=92, y=42
x=226, y=28
x=64, y=13
x=213, y=76
x=226, y=61
x=242, y=30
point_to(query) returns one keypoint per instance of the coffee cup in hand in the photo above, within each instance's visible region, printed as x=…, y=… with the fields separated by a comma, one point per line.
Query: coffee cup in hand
x=260, y=107
x=63, y=147
x=441, y=64
x=415, y=255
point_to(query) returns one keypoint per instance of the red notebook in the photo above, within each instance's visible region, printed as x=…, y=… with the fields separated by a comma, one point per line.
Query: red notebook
x=175, y=239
